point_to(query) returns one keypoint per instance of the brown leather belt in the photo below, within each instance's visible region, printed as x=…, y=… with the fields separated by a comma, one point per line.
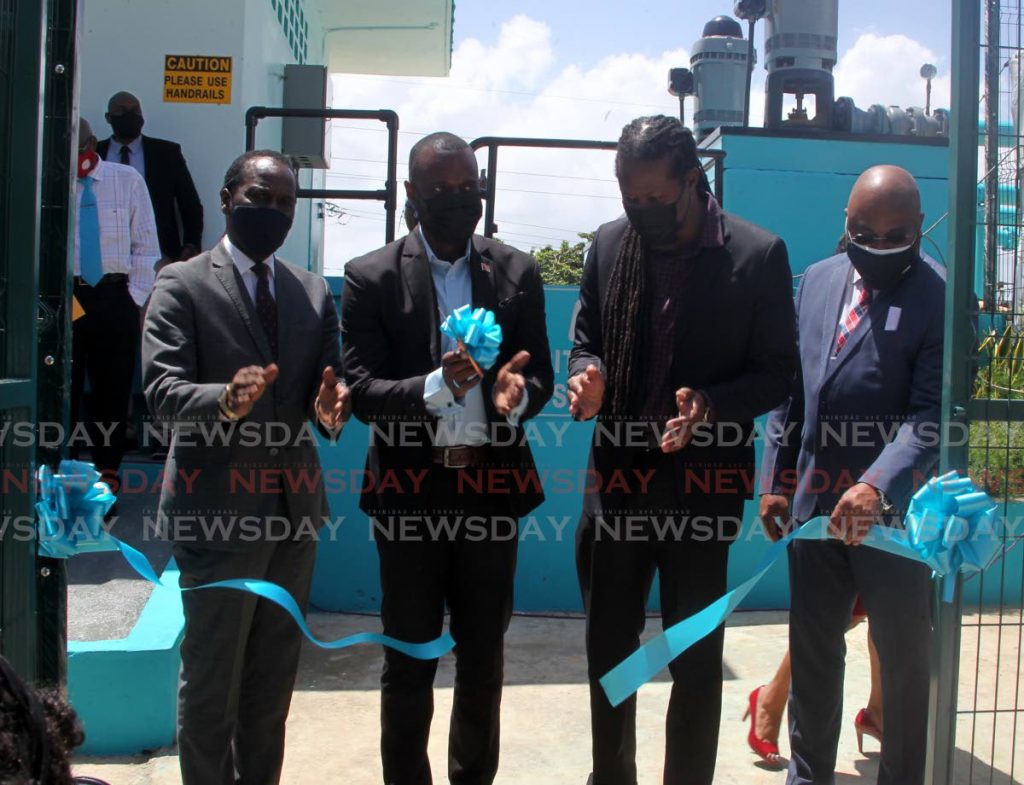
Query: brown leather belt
x=461, y=456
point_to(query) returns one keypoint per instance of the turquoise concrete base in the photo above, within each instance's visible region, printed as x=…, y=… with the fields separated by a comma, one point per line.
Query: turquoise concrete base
x=125, y=691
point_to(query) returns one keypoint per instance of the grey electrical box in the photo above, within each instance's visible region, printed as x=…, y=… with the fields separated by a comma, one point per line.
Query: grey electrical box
x=307, y=139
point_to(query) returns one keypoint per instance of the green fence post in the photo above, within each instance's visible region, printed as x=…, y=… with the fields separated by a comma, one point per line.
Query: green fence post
x=961, y=302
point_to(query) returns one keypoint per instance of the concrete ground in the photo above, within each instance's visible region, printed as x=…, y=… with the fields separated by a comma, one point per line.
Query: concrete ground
x=334, y=724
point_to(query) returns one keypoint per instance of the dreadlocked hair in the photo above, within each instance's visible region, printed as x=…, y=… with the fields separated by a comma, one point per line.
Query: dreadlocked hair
x=645, y=139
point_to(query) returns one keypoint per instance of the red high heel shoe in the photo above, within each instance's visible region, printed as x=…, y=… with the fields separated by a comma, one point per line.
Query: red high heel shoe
x=864, y=725
x=767, y=750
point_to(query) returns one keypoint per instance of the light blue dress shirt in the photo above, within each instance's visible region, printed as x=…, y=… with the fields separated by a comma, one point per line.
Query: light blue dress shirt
x=465, y=421
x=136, y=158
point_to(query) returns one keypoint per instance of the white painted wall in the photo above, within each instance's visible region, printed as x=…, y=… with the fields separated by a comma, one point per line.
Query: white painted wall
x=123, y=48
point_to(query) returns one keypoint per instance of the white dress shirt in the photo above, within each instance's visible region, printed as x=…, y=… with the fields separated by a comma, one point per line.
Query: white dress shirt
x=463, y=422
x=136, y=158
x=128, y=241
x=244, y=266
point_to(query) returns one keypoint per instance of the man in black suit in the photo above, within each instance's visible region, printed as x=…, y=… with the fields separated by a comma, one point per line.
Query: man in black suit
x=167, y=177
x=448, y=471
x=684, y=335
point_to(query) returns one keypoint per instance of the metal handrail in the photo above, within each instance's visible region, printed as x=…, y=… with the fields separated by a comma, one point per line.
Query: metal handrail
x=388, y=194
x=492, y=143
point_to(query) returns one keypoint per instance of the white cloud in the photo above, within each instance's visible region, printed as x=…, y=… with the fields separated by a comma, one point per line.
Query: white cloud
x=516, y=86
x=513, y=86
x=886, y=70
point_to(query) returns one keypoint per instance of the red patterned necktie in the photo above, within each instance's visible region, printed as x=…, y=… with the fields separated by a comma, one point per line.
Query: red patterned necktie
x=266, y=306
x=853, y=317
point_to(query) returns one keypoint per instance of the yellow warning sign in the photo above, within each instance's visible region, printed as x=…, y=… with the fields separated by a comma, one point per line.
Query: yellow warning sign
x=197, y=79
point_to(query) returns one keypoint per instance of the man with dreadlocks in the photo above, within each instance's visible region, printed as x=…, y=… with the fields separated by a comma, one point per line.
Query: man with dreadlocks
x=685, y=335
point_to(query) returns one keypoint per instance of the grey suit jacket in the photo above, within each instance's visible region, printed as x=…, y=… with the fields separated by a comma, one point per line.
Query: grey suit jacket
x=872, y=413
x=200, y=328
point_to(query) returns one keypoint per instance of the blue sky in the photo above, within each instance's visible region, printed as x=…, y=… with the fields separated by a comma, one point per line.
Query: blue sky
x=583, y=31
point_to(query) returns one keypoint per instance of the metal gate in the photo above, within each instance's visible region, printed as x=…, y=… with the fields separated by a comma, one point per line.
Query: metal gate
x=22, y=37
x=977, y=720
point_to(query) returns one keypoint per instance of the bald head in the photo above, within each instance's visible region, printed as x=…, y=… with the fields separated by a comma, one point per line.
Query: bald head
x=124, y=113
x=122, y=102
x=86, y=138
x=885, y=204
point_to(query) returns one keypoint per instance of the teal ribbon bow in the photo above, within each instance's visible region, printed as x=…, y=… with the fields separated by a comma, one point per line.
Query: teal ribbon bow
x=950, y=526
x=478, y=331
x=71, y=507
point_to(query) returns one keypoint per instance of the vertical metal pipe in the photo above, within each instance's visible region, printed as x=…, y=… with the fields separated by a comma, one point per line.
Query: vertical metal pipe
x=991, y=152
x=391, y=203
x=750, y=72
x=490, y=228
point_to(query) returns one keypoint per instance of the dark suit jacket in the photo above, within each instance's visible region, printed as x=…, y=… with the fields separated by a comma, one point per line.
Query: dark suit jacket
x=870, y=415
x=169, y=184
x=734, y=341
x=391, y=341
x=201, y=327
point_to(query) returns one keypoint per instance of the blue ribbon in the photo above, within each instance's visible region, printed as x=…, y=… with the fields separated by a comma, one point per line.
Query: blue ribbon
x=71, y=508
x=950, y=526
x=478, y=331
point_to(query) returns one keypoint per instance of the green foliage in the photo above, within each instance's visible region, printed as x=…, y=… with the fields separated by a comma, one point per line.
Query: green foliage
x=996, y=459
x=563, y=266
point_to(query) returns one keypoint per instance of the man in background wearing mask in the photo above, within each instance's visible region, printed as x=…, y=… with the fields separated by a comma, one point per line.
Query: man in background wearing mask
x=853, y=442
x=685, y=326
x=444, y=440
x=167, y=177
x=238, y=334
x=115, y=251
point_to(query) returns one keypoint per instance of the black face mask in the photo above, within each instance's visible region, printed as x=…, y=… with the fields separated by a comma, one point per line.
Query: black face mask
x=450, y=218
x=657, y=224
x=259, y=231
x=881, y=270
x=127, y=126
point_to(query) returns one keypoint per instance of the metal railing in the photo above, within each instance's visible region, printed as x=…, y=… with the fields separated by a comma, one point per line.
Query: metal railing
x=975, y=717
x=388, y=194
x=493, y=143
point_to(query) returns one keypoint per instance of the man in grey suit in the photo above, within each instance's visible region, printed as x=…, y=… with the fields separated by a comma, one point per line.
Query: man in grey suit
x=240, y=352
x=857, y=437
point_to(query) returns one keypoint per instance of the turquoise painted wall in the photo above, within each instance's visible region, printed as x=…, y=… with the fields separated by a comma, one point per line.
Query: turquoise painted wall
x=798, y=187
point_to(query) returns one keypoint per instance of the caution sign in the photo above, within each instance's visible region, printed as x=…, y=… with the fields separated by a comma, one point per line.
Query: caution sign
x=197, y=79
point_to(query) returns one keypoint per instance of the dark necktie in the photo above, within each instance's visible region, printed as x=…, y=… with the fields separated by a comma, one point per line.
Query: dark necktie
x=266, y=306
x=126, y=155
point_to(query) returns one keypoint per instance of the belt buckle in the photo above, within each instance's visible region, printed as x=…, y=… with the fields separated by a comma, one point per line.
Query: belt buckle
x=452, y=463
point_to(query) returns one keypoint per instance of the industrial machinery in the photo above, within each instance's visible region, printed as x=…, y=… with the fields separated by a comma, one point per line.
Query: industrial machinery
x=800, y=51
x=721, y=65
